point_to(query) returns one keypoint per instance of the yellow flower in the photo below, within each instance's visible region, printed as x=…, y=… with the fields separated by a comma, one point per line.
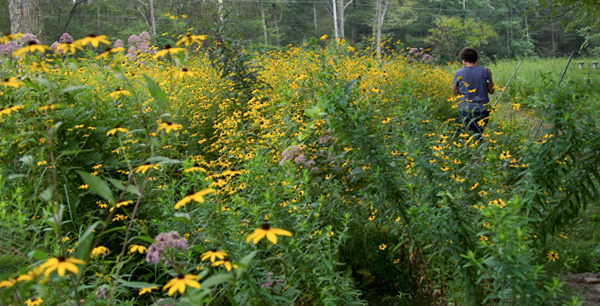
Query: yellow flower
x=168, y=50
x=32, y=47
x=184, y=73
x=180, y=283
x=68, y=48
x=84, y=186
x=109, y=51
x=168, y=127
x=30, y=275
x=552, y=256
x=196, y=196
x=225, y=262
x=505, y=155
x=34, y=302
x=324, y=37
x=213, y=254
x=92, y=39
x=8, y=283
x=143, y=168
x=383, y=247
x=146, y=290
x=8, y=37
x=118, y=93
x=195, y=168
x=124, y=203
x=61, y=265
x=189, y=39
x=137, y=248
x=268, y=231
x=12, y=82
x=117, y=129
x=101, y=250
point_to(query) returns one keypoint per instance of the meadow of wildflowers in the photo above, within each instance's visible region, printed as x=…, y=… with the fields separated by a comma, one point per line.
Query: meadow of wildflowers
x=199, y=174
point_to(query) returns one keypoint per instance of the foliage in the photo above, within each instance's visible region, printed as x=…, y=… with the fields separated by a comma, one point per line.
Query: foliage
x=451, y=34
x=139, y=179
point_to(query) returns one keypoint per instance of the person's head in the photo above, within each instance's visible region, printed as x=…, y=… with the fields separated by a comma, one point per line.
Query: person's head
x=469, y=55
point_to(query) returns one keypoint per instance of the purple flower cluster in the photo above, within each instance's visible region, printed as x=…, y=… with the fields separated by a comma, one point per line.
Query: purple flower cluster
x=163, y=242
x=419, y=55
x=8, y=48
x=270, y=282
x=27, y=38
x=294, y=153
x=65, y=39
x=138, y=44
x=119, y=44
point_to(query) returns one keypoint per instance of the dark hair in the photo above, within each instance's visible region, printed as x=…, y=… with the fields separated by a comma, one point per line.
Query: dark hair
x=469, y=55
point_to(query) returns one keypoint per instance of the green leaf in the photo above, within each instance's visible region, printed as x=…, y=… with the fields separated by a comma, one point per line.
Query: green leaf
x=38, y=255
x=71, y=88
x=138, y=285
x=97, y=185
x=159, y=96
x=216, y=280
x=167, y=301
x=15, y=176
x=142, y=238
x=130, y=188
x=85, y=242
x=163, y=160
x=46, y=195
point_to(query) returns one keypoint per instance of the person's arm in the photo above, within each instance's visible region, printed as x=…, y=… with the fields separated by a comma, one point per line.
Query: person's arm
x=454, y=90
x=490, y=85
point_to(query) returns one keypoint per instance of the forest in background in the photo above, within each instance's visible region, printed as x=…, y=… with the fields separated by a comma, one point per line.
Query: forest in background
x=503, y=29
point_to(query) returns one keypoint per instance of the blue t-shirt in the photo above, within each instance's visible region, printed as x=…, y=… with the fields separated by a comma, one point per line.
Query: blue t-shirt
x=472, y=84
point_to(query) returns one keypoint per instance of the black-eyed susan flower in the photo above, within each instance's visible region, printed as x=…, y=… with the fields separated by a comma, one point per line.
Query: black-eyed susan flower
x=94, y=40
x=30, y=275
x=118, y=93
x=8, y=37
x=61, y=265
x=32, y=47
x=265, y=230
x=147, y=290
x=143, y=168
x=213, y=254
x=34, y=302
x=189, y=39
x=196, y=196
x=553, y=256
x=137, y=248
x=68, y=48
x=12, y=82
x=109, y=51
x=8, y=283
x=181, y=282
x=505, y=155
x=117, y=129
x=101, y=250
x=184, y=73
x=226, y=262
x=168, y=50
x=123, y=203
x=169, y=126
x=195, y=168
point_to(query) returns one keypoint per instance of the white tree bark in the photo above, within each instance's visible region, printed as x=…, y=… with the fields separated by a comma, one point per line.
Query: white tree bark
x=380, y=11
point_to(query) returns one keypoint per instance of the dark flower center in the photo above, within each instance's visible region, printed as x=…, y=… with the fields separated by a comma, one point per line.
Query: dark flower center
x=184, y=70
x=169, y=123
x=190, y=192
x=265, y=226
x=213, y=250
x=226, y=259
x=61, y=258
x=167, y=46
x=6, y=80
x=180, y=276
x=118, y=89
x=92, y=35
x=31, y=43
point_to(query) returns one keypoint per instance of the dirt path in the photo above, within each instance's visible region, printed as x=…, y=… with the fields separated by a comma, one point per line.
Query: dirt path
x=589, y=294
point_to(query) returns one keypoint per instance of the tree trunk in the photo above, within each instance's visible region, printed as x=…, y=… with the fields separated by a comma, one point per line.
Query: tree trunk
x=315, y=16
x=152, y=21
x=335, y=20
x=381, y=9
x=26, y=17
x=264, y=22
x=341, y=20
x=276, y=24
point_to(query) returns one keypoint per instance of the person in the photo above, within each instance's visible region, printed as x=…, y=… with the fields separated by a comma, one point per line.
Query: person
x=471, y=84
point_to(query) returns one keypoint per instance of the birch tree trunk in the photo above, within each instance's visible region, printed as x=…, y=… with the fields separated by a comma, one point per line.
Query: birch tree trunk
x=152, y=21
x=276, y=24
x=335, y=21
x=26, y=17
x=264, y=22
x=381, y=9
